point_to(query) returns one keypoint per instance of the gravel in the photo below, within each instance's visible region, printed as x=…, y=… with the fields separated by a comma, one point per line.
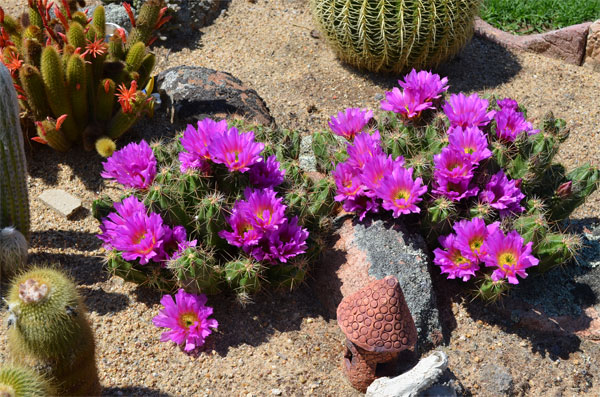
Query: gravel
x=282, y=342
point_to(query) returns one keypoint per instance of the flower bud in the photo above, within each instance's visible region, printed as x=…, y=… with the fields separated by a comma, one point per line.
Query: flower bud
x=565, y=189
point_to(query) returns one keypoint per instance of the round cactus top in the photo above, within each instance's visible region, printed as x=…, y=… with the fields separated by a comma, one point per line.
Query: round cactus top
x=32, y=291
x=377, y=319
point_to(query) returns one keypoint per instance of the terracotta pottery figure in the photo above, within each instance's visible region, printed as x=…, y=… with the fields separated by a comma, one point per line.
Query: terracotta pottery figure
x=378, y=326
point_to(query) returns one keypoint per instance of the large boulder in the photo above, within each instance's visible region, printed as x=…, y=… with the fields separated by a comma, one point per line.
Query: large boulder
x=372, y=250
x=193, y=93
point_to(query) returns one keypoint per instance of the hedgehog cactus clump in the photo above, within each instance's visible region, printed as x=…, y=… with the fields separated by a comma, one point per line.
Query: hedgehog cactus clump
x=393, y=36
x=74, y=84
x=477, y=177
x=14, y=199
x=218, y=209
x=16, y=381
x=50, y=331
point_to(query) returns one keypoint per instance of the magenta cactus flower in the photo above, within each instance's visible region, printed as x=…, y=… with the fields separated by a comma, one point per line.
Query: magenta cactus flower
x=287, y=241
x=238, y=151
x=502, y=194
x=407, y=103
x=195, y=143
x=470, y=236
x=376, y=169
x=174, y=242
x=463, y=111
x=508, y=103
x=187, y=318
x=471, y=141
x=453, y=165
x=140, y=238
x=508, y=255
x=454, y=191
x=133, y=166
x=348, y=181
x=451, y=260
x=510, y=123
x=124, y=210
x=350, y=122
x=244, y=233
x=364, y=148
x=428, y=85
x=263, y=208
x=400, y=193
x=361, y=205
x=267, y=173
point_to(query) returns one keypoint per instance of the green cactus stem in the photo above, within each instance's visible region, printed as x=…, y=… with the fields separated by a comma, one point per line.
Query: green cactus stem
x=56, y=90
x=13, y=252
x=76, y=35
x=17, y=381
x=51, y=331
x=77, y=88
x=33, y=85
x=99, y=21
x=395, y=36
x=14, y=199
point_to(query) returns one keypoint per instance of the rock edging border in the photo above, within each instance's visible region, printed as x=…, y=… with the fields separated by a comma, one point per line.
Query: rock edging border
x=576, y=44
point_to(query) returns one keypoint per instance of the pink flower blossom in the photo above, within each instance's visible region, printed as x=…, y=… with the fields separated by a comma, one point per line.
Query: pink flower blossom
x=471, y=235
x=471, y=141
x=503, y=194
x=195, y=143
x=463, y=111
x=452, y=261
x=407, y=103
x=508, y=255
x=364, y=148
x=238, y=151
x=427, y=85
x=188, y=320
x=350, y=122
x=133, y=166
x=400, y=193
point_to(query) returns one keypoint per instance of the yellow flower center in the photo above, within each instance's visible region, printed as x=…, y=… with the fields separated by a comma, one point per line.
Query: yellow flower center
x=507, y=260
x=459, y=260
x=469, y=150
x=402, y=194
x=188, y=319
x=476, y=244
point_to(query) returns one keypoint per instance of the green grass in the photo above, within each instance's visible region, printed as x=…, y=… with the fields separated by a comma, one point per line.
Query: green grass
x=533, y=16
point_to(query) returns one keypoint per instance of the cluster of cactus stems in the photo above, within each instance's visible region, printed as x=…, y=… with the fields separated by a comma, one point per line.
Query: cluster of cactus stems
x=551, y=193
x=201, y=204
x=49, y=331
x=73, y=83
x=392, y=36
x=14, y=199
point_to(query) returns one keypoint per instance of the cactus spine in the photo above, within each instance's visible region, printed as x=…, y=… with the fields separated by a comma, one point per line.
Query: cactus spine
x=16, y=381
x=392, y=36
x=14, y=199
x=51, y=331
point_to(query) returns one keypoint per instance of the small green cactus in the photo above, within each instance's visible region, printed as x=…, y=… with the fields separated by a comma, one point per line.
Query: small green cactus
x=50, y=331
x=76, y=77
x=14, y=199
x=17, y=381
x=393, y=36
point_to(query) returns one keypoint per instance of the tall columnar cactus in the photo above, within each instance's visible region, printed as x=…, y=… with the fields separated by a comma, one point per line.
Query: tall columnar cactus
x=14, y=200
x=395, y=35
x=16, y=381
x=50, y=331
x=75, y=87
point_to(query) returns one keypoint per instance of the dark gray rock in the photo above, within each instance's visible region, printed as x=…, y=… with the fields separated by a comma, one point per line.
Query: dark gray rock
x=194, y=93
x=372, y=250
x=391, y=250
x=190, y=14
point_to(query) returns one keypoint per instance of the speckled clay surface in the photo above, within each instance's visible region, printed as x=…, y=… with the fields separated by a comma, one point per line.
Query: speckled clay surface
x=378, y=326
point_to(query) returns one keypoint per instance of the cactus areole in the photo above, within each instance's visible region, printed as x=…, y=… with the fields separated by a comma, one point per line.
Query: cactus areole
x=392, y=36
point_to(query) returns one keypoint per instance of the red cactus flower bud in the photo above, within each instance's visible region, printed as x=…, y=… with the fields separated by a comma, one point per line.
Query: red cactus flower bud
x=565, y=189
x=60, y=121
x=518, y=183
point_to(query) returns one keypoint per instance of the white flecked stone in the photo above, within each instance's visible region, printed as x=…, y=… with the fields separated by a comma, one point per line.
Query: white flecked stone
x=60, y=201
